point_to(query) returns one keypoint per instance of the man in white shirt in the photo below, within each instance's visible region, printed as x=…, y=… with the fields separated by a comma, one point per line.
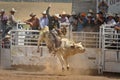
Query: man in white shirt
x=43, y=20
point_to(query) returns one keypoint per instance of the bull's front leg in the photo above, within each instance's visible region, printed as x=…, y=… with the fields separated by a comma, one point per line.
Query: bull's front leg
x=68, y=66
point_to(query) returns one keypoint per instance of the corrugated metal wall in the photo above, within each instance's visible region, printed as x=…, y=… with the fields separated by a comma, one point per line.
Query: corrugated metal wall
x=83, y=5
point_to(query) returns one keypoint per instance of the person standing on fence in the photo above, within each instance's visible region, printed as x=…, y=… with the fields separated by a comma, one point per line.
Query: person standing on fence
x=43, y=20
x=100, y=19
x=64, y=18
x=4, y=20
x=33, y=22
x=12, y=20
x=64, y=21
x=12, y=23
x=110, y=19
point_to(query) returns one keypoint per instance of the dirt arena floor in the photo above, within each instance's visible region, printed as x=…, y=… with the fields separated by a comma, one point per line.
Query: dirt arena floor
x=23, y=75
x=41, y=73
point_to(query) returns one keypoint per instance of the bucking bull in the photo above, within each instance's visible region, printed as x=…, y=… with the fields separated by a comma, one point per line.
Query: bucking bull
x=62, y=47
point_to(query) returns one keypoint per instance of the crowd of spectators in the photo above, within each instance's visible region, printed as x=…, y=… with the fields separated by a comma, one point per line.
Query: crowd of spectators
x=87, y=22
x=92, y=21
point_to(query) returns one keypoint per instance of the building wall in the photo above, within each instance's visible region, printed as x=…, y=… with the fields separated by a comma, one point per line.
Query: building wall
x=39, y=0
x=83, y=5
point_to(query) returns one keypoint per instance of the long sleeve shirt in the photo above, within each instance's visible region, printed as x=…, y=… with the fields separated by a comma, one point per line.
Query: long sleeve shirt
x=4, y=19
x=52, y=22
x=12, y=20
x=43, y=22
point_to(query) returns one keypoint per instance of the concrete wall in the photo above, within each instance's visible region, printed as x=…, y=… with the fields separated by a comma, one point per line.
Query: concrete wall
x=29, y=56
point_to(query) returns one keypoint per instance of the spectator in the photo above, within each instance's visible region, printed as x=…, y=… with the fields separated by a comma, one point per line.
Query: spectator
x=4, y=20
x=90, y=23
x=116, y=18
x=33, y=22
x=43, y=20
x=64, y=23
x=73, y=21
x=100, y=19
x=64, y=18
x=81, y=21
x=117, y=26
x=34, y=25
x=103, y=7
x=110, y=19
x=90, y=11
x=12, y=20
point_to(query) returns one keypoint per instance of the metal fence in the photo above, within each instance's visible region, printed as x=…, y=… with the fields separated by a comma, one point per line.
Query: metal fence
x=110, y=49
x=88, y=39
x=24, y=37
x=30, y=37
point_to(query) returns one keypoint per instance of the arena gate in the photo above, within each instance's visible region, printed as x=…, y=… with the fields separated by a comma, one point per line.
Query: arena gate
x=110, y=49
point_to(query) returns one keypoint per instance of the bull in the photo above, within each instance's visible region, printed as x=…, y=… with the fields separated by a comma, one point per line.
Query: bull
x=66, y=48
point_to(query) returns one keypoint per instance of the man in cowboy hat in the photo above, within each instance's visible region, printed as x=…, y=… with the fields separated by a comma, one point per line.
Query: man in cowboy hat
x=73, y=21
x=53, y=23
x=43, y=20
x=12, y=20
x=110, y=19
x=64, y=18
x=3, y=20
x=33, y=21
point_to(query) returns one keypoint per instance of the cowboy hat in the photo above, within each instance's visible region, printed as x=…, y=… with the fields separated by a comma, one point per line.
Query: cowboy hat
x=57, y=15
x=32, y=14
x=7, y=36
x=90, y=11
x=89, y=15
x=2, y=10
x=44, y=12
x=13, y=10
x=63, y=13
x=109, y=14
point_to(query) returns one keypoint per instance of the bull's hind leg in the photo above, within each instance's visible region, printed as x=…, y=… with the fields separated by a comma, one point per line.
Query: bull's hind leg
x=61, y=59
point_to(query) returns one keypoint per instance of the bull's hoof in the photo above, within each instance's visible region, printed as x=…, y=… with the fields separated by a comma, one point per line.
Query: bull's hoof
x=68, y=68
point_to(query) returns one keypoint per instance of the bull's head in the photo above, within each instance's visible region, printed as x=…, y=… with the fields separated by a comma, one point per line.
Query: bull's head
x=78, y=47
